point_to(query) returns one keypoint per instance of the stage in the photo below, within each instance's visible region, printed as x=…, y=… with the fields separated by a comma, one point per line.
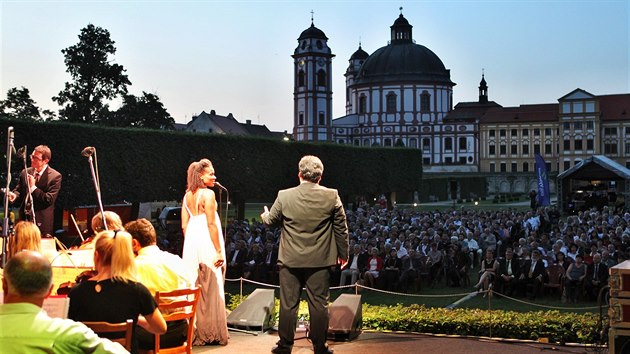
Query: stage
x=391, y=343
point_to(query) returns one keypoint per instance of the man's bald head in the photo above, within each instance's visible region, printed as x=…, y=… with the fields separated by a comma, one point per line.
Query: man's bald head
x=28, y=274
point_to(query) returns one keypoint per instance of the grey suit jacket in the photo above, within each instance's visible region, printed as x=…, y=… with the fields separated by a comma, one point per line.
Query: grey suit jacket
x=314, y=230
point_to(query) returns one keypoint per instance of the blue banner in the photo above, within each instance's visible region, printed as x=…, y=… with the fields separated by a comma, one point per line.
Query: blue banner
x=543, y=197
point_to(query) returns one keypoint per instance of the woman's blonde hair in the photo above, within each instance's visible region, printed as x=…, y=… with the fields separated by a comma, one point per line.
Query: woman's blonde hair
x=115, y=250
x=195, y=170
x=111, y=219
x=26, y=237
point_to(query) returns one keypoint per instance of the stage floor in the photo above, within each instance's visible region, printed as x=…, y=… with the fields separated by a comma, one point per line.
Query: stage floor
x=390, y=343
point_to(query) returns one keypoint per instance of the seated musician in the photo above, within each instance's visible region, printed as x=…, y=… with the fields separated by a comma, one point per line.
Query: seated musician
x=114, y=295
x=158, y=271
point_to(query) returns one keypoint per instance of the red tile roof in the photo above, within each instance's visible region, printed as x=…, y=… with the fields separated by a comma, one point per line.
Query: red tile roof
x=614, y=107
x=522, y=114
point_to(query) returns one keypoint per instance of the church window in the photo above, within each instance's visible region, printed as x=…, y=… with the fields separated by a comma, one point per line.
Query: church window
x=303, y=44
x=426, y=160
x=366, y=142
x=448, y=144
x=391, y=102
x=426, y=144
x=301, y=118
x=322, y=119
x=413, y=143
x=425, y=101
x=387, y=142
x=462, y=144
x=362, y=104
x=301, y=78
x=319, y=44
x=321, y=78
x=578, y=125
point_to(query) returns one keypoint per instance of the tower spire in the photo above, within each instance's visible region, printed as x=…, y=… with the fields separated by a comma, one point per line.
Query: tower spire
x=312, y=22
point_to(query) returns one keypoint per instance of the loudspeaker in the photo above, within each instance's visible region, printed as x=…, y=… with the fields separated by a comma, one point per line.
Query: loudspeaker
x=255, y=312
x=345, y=318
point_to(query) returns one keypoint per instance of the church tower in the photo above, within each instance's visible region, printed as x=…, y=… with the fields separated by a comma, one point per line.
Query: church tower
x=312, y=92
x=483, y=90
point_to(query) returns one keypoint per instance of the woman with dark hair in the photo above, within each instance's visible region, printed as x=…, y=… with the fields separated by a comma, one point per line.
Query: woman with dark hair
x=113, y=295
x=204, y=253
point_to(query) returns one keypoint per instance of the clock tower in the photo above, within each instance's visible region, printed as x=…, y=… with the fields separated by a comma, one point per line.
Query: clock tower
x=312, y=87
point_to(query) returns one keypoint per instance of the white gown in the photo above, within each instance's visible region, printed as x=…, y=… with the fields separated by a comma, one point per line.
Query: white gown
x=199, y=256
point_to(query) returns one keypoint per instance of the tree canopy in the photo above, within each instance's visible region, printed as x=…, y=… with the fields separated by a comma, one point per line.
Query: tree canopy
x=20, y=105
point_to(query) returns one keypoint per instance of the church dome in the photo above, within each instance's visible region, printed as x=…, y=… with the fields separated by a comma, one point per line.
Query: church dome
x=402, y=60
x=312, y=32
x=360, y=54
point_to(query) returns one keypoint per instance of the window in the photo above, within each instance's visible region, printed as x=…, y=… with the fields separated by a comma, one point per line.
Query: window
x=387, y=142
x=492, y=133
x=589, y=107
x=426, y=143
x=627, y=148
x=502, y=150
x=578, y=125
x=514, y=132
x=322, y=118
x=341, y=141
x=491, y=150
x=502, y=133
x=547, y=131
x=462, y=144
x=590, y=124
x=627, y=129
x=537, y=148
x=366, y=142
x=413, y=143
x=426, y=160
x=525, y=132
x=577, y=144
x=514, y=150
x=448, y=144
x=610, y=148
x=492, y=167
x=566, y=145
x=548, y=149
x=357, y=142
x=462, y=160
x=425, y=102
x=503, y=167
x=577, y=107
x=566, y=125
x=321, y=78
x=514, y=167
x=319, y=44
x=567, y=165
x=566, y=107
x=448, y=160
x=301, y=78
x=362, y=104
x=525, y=149
x=548, y=166
x=525, y=166
x=301, y=118
x=610, y=131
x=391, y=102
x=589, y=144
x=536, y=131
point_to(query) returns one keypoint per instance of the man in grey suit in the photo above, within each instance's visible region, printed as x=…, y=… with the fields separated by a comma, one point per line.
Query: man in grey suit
x=314, y=237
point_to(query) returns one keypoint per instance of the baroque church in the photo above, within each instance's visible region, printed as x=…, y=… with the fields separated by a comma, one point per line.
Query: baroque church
x=402, y=95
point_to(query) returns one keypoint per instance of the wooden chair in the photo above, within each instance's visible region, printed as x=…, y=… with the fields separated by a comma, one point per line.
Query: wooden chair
x=555, y=275
x=122, y=327
x=177, y=305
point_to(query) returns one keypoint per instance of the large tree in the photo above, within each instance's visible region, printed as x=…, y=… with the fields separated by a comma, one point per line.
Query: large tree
x=146, y=112
x=95, y=78
x=20, y=105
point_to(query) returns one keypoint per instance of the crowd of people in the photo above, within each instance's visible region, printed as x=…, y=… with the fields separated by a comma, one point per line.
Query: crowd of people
x=405, y=249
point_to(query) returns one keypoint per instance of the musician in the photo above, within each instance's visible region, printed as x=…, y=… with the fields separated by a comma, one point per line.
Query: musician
x=44, y=183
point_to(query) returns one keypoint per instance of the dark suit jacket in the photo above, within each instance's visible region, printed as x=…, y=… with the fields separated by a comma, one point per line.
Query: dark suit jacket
x=314, y=230
x=539, y=269
x=602, y=273
x=361, y=261
x=44, y=197
x=516, y=271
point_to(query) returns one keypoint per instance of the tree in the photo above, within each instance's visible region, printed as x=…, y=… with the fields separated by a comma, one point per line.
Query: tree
x=146, y=112
x=20, y=105
x=95, y=78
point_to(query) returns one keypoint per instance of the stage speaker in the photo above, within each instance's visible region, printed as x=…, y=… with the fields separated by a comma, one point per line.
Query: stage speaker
x=618, y=341
x=345, y=318
x=255, y=312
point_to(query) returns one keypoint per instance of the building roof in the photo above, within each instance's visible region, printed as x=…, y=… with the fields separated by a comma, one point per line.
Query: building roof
x=312, y=32
x=256, y=129
x=596, y=167
x=470, y=110
x=614, y=107
x=522, y=114
x=214, y=123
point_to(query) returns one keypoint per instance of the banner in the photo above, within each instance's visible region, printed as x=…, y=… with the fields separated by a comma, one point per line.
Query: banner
x=540, y=167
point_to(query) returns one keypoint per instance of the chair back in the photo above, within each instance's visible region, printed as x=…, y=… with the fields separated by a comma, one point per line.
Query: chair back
x=123, y=327
x=176, y=305
x=555, y=272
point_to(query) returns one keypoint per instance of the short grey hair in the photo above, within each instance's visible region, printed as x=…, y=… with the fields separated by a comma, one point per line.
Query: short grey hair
x=28, y=274
x=311, y=168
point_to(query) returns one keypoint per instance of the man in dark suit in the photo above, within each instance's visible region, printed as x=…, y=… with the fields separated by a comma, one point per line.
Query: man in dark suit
x=269, y=265
x=44, y=183
x=509, y=273
x=532, y=273
x=356, y=264
x=314, y=236
x=596, y=277
x=237, y=259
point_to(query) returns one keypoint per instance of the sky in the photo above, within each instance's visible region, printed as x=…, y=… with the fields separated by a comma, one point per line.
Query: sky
x=235, y=56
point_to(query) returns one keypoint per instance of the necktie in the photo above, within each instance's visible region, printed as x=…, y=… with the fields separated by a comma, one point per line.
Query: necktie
x=37, y=175
x=509, y=267
x=595, y=275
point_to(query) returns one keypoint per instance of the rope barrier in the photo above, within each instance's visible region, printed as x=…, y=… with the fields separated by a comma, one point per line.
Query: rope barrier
x=546, y=306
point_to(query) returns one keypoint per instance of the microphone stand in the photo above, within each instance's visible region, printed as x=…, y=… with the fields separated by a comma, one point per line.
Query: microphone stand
x=29, y=195
x=5, y=220
x=227, y=207
x=97, y=184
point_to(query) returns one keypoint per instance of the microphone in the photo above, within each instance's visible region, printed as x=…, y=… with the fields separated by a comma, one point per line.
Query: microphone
x=216, y=183
x=21, y=153
x=88, y=151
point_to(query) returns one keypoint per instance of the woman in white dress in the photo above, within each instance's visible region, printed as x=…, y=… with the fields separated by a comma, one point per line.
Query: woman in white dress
x=204, y=253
